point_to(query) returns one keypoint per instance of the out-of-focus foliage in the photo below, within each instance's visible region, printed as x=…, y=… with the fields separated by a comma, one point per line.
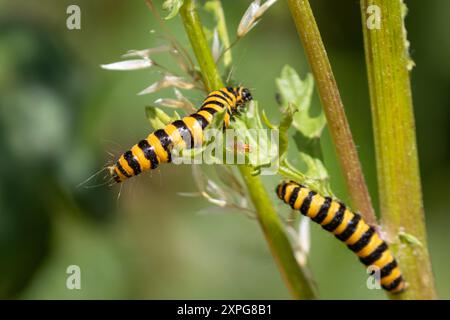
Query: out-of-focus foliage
x=63, y=118
x=172, y=6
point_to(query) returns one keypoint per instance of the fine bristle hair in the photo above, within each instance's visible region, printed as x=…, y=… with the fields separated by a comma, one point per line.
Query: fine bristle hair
x=94, y=175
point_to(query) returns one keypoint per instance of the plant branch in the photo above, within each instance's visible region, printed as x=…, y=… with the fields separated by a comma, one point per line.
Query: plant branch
x=333, y=107
x=388, y=65
x=298, y=284
x=194, y=30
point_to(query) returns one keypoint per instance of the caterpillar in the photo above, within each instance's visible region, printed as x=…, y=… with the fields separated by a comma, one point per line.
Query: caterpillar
x=186, y=133
x=348, y=227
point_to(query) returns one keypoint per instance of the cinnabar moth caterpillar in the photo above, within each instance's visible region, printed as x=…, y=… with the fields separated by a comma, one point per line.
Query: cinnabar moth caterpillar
x=184, y=133
x=348, y=227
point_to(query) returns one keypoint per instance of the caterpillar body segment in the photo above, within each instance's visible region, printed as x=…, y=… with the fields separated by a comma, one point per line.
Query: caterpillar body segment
x=348, y=227
x=186, y=133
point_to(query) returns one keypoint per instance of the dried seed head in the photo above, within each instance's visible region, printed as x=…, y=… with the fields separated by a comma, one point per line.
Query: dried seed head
x=247, y=20
x=252, y=16
x=166, y=82
x=304, y=235
x=207, y=186
x=301, y=240
x=216, y=45
x=171, y=103
x=146, y=53
x=127, y=65
x=188, y=106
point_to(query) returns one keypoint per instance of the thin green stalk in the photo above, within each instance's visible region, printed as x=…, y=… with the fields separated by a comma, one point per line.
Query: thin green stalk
x=333, y=107
x=298, y=284
x=216, y=7
x=388, y=65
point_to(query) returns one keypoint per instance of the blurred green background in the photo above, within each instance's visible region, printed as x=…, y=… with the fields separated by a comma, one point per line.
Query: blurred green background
x=61, y=114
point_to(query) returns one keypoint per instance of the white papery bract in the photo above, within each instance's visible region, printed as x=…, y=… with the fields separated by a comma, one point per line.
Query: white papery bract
x=167, y=82
x=128, y=65
x=252, y=16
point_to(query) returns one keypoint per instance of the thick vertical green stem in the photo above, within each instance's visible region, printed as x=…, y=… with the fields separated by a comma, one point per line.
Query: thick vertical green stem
x=333, y=107
x=399, y=185
x=298, y=284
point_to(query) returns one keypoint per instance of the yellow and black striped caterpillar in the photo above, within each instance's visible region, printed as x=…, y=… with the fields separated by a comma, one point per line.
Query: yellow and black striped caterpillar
x=348, y=227
x=184, y=133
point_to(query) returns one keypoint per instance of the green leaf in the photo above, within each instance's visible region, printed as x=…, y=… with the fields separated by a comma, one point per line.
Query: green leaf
x=295, y=96
x=262, y=152
x=267, y=121
x=251, y=118
x=294, y=90
x=173, y=6
x=319, y=184
x=158, y=118
x=310, y=154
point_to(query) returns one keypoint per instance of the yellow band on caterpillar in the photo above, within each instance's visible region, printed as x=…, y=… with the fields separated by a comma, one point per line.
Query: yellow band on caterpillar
x=185, y=133
x=348, y=227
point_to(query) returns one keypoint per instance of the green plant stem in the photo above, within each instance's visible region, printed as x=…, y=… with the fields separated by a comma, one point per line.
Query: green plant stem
x=194, y=30
x=298, y=284
x=216, y=7
x=395, y=141
x=333, y=107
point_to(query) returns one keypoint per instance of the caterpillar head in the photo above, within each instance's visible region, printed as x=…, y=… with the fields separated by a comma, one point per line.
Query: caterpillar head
x=242, y=95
